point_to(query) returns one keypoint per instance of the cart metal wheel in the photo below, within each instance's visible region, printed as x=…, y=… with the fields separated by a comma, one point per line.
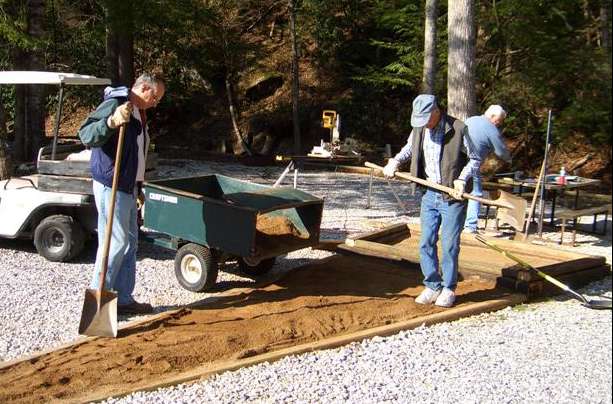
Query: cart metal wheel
x=256, y=270
x=59, y=238
x=196, y=267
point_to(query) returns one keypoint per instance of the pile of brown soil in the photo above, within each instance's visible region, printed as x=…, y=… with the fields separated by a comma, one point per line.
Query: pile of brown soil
x=278, y=226
x=331, y=297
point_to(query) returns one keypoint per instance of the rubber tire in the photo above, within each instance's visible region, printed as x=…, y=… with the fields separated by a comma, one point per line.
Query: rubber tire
x=70, y=230
x=260, y=269
x=208, y=262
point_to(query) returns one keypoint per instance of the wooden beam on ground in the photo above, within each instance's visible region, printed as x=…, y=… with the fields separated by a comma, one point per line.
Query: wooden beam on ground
x=328, y=245
x=373, y=249
x=556, y=269
x=399, y=230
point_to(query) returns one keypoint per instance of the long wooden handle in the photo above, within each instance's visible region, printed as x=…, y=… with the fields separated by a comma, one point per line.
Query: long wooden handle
x=409, y=177
x=109, y=221
x=534, y=198
x=440, y=187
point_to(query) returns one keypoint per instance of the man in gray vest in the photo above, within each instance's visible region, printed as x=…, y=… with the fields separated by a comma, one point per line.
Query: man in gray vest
x=439, y=151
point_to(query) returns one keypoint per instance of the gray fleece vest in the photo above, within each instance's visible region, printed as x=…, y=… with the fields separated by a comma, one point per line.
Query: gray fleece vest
x=453, y=158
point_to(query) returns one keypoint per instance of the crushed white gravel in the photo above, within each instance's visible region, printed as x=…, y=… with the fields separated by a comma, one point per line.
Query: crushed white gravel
x=552, y=351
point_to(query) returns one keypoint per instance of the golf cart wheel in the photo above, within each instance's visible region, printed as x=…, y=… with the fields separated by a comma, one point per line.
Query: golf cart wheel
x=256, y=270
x=196, y=267
x=59, y=238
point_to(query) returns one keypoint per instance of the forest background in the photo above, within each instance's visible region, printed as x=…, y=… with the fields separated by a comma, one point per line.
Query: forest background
x=228, y=69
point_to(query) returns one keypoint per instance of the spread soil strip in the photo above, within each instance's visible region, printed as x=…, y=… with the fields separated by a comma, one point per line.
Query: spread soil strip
x=336, y=297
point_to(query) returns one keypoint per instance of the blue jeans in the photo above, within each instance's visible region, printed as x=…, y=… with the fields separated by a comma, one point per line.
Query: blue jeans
x=448, y=216
x=124, y=242
x=472, y=212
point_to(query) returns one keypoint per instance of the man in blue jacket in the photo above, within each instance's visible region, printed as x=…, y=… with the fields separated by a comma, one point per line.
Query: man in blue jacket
x=485, y=137
x=100, y=131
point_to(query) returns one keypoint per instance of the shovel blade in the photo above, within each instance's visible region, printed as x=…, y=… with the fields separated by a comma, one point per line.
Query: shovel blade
x=599, y=304
x=99, y=315
x=511, y=210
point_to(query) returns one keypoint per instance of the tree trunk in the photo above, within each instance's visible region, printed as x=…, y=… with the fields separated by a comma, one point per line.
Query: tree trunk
x=36, y=93
x=5, y=158
x=461, y=59
x=111, y=52
x=119, y=41
x=20, y=130
x=29, y=127
x=126, y=44
x=241, y=146
x=430, y=55
x=295, y=78
x=605, y=33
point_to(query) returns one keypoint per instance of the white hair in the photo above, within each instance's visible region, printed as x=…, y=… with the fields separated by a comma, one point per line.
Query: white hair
x=148, y=79
x=494, y=111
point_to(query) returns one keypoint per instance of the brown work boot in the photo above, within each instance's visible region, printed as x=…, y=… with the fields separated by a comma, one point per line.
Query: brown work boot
x=134, y=308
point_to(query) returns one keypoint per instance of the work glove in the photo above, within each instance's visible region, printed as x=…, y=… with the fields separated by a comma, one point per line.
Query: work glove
x=458, y=189
x=120, y=116
x=390, y=168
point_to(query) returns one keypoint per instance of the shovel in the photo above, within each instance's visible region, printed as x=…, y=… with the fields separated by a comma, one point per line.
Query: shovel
x=99, y=315
x=592, y=304
x=511, y=208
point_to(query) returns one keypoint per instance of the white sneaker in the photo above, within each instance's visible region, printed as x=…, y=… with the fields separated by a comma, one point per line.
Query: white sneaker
x=427, y=296
x=446, y=298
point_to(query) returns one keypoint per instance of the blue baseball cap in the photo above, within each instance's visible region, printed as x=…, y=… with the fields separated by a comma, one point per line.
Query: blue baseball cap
x=423, y=105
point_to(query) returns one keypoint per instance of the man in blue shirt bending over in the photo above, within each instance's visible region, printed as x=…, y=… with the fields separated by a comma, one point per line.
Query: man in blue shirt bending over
x=485, y=137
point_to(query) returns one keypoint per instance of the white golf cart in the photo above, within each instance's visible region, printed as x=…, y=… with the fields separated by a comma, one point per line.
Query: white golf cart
x=54, y=207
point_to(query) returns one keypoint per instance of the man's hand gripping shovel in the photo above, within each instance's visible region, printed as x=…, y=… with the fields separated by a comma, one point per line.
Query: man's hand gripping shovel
x=99, y=315
x=511, y=208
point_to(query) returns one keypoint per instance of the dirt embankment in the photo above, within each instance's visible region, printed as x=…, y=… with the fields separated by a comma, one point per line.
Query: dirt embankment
x=328, y=298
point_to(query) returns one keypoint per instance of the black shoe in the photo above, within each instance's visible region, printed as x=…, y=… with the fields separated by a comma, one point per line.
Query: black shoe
x=134, y=308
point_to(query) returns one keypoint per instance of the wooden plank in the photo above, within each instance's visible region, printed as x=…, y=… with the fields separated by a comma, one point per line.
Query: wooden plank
x=539, y=287
x=374, y=249
x=328, y=245
x=563, y=263
x=515, y=246
x=73, y=168
x=62, y=150
x=575, y=213
x=531, y=289
x=400, y=230
x=555, y=270
x=71, y=185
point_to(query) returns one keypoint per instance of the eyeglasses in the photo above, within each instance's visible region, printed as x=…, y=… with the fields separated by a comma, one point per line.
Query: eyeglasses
x=155, y=95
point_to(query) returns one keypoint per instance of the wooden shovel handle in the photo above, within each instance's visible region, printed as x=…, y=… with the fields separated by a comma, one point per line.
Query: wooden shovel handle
x=535, y=195
x=438, y=187
x=109, y=221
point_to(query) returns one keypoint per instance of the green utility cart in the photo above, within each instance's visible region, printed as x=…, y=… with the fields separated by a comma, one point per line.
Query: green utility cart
x=213, y=218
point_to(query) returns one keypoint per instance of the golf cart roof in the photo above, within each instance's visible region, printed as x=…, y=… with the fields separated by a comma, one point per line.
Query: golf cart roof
x=29, y=77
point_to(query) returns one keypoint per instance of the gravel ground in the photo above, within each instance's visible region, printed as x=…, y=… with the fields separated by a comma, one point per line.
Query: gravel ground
x=542, y=352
